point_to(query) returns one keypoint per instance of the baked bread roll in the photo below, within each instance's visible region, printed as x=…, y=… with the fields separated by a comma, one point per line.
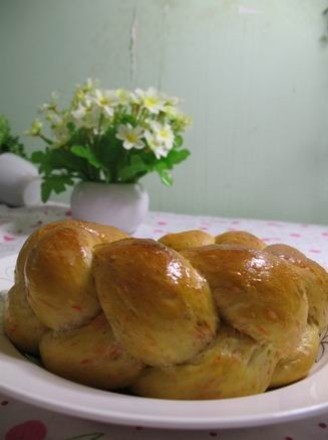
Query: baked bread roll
x=196, y=238
x=187, y=239
x=29, y=244
x=160, y=308
x=177, y=318
x=58, y=275
x=21, y=324
x=234, y=365
x=299, y=361
x=55, y=260
x=256, y=293
x=240, y=238
x=90, y=355
x=315, y=278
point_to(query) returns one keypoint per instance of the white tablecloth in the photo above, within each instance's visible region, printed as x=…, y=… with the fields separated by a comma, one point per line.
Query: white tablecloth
x=20, y=421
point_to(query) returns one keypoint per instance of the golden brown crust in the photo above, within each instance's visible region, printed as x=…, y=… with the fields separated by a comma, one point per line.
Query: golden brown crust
x=160, y=308
x=315, y=279
x=21, y=325
x=298, y=363
x=233, y=366
x=187, y=239
x=53, y=279
x=176, y=318
x=29, y=244
x=257, y=293
x=240, y=238
x=58, y=277
x=106, y=234
x=103, y=233
x=90, y=355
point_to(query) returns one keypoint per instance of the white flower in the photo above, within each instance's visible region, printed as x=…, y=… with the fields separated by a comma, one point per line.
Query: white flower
x=163, y=133
x=160, y=138
x=50, y=106
x=183, y=120
x=83, y=95
x=158, y=148
x=61, y=132
x=171, y=111
x=36, y=128
x=131, y=136
x=54, y=118
x=151, y=99
x=125, y=97
x=79, y=114
x=106, y=100
x=86, y=115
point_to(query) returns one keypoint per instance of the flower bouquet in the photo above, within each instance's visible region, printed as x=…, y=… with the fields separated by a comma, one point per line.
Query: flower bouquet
x=109, y=136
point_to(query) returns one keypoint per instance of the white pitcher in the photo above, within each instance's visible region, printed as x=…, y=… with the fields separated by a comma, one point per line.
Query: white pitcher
x=20, y=183
x=122, y=205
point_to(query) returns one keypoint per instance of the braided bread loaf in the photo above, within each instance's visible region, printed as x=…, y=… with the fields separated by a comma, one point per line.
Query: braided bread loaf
x=190, y=316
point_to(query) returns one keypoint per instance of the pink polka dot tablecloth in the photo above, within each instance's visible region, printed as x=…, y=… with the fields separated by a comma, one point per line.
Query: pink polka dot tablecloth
x=21, y=421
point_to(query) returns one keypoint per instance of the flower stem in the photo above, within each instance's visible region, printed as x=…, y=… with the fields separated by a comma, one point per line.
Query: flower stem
x=45, y=139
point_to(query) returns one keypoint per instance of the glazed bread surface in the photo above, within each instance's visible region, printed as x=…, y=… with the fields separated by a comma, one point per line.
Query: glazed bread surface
x=190, y=316
x=161, y=309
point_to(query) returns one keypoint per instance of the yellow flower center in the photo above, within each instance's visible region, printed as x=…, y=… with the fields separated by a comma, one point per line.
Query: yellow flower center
x=104, y=102
x=132, y=138
x=164, y=133
x=151, y=101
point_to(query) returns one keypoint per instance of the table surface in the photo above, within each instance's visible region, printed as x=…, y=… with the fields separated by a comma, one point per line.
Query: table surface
x=21, y=421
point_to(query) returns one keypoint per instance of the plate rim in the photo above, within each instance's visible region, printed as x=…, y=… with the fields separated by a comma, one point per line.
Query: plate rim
x=154, y=415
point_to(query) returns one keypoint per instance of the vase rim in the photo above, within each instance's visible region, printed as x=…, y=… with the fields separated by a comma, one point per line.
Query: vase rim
x=107, y=183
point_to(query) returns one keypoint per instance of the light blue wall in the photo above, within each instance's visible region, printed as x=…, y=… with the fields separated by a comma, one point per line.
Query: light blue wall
x=252, y=74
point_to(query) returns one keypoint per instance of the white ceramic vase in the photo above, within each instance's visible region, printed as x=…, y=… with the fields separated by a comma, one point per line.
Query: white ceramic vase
x=20, y=184
x=117, y=204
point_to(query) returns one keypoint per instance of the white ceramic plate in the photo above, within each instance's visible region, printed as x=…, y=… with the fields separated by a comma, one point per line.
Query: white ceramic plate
x=27, y=381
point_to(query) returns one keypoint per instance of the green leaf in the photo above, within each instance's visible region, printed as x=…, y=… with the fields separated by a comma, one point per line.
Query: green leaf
x=8, y=142
x=176, y=156
x=127, y=119
x=4, y=129
x=106, y=144
x=38, y=157
x=108, y=150
x=134, y=169
x=71, y=127
x=53, y=159
x=55, y=183
x=166, y=176
x=164, y=164
x=87, y=154
x=178, y=141
x=13, y=145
